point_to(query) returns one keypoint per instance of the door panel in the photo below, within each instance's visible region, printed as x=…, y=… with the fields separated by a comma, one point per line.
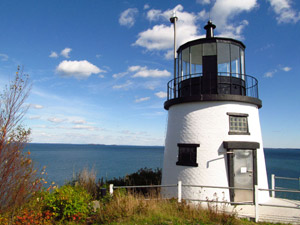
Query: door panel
x=243, y=175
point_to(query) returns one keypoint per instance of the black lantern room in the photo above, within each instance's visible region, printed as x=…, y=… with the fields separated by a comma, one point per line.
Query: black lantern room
x=212, y=69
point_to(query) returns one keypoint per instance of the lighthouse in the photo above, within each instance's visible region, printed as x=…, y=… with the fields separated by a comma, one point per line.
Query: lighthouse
x=213, y=133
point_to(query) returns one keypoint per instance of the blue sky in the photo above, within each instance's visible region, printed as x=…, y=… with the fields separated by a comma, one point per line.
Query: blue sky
x=99, y=68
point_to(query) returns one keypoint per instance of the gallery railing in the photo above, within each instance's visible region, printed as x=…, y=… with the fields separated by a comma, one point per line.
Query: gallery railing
x=222, y=83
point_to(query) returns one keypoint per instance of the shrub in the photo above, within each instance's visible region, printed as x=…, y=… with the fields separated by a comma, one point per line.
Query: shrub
x=87, y=180
x=68, y=203
x=143, y=176
x=34, y=217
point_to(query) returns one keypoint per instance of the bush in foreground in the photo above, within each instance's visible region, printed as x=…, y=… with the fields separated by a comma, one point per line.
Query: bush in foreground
x=67, y=203
x=18, y=178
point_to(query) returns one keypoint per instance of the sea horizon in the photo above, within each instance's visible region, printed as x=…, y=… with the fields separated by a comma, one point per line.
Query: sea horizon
x=95, y=144
x=279, y=148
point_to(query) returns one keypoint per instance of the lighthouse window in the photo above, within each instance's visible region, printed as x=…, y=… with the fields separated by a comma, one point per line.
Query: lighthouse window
x=235, y=60
x=238, y=124
x=187, y=155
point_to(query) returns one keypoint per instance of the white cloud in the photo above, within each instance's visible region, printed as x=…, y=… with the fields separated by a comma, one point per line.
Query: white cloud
x=84, y=127
x=146, y=6
x=56, y=120
x=3, y=57
x=53, y=55
x=286, y=69
x=203, y=15
x=36, y=106
x=224, y=11
x=169, y=54
x=284, y=11
x=160, y=37
x=127, y=18
x=269, y=74
x=152, y=73
x=161, y=94
x=142, y=99
x=65, y=52
x=203, y=2
x=123, y=86
x=78, y=69
x=136, y=68
x=34, y=117
x=154, y=14
x=143, y=71
x=119, y=75
x=79, y=122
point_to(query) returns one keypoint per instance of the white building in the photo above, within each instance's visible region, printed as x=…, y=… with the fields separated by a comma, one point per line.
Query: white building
x=213, y=134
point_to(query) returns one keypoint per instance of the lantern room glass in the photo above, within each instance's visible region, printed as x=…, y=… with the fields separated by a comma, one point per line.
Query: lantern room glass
x=230, y=59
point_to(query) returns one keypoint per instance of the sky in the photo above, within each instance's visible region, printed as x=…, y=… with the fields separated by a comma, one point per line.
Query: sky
x=99, y=69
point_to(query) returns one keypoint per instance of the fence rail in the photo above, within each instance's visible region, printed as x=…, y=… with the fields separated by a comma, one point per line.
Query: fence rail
x=256, y=190
x=218, y=187
x=273, y=183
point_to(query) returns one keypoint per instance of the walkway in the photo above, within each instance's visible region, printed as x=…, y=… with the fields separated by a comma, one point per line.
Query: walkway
x=271, y=213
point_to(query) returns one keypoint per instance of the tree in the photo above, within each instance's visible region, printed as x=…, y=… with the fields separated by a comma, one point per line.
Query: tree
x=18, y=178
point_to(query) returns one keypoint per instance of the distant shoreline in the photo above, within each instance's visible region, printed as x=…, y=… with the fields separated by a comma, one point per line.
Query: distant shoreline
x=160, y=146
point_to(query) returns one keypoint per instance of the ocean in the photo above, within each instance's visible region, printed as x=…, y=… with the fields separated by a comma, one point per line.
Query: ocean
x=63, y=161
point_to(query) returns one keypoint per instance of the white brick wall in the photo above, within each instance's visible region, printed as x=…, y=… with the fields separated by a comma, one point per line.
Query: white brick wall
x=207, y=124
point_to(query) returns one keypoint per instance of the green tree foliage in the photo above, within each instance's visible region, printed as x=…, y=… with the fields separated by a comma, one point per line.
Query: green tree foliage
x=144, y=176
x=17, y=175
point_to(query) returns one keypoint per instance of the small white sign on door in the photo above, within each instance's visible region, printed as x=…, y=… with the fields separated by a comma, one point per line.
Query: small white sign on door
x=243, y=169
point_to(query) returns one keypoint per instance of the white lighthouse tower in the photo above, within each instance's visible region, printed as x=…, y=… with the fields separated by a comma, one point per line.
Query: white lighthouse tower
x=213, y=134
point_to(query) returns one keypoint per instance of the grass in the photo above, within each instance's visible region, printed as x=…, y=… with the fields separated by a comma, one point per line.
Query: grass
x=72, y=204
x=132, y=209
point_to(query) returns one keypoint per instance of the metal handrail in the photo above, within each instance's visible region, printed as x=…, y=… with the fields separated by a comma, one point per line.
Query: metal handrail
x=279, y=206
x=276, y=190
x=146, y=186
x=239, y=203
x=287, y=178
x=218, y=187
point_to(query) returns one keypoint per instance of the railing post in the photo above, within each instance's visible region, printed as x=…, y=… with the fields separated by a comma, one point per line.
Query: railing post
x=256, y=203
x=273, y=185
x=179, y=186
x=111, y=189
